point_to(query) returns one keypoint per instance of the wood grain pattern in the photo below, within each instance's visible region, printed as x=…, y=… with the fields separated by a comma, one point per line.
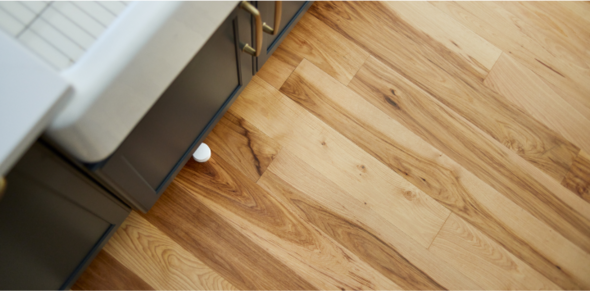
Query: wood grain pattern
x=315, y=41
x=158, y=260
x=341, y=161
x=275, y=71
x=572, y=99
x=243, y=144
x=469, y=250
x=449, y=78
x=528, y=91
x=578, y=178
x=475, y=50
x=411, y=157
x=216, y=243
x=366, y=245
x=521, y=35
x=106, y=273
x=449, y=159
x=297, y=181
x=554, y=28
x=579, y=9
x=224, y=185
x=270, y=224
x=385, y=88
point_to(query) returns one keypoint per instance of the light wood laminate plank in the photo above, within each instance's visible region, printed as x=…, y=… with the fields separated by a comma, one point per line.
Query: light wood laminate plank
x=449, y=78
x=315, y=41
x=462, y=142
x=578, y=178
x=412, y=158
x=340, y=160
x=360, y=241
x=298, y=181
x=158, y=260
x=555, y=27
x=106, y=273
x=215, y=242
x=556, y=61
x=475, y=50
x=484, y=260
x=243, y=144
x=265, y=220
x=528, y=91
x=275, y=71
x=579, y=8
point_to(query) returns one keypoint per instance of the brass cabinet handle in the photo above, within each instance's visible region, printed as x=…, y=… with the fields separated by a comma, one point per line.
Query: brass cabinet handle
x=278, y=13
x=252, y=10
x=2, y=186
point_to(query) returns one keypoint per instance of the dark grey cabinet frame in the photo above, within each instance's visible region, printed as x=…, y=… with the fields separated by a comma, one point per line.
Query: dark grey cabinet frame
x=53, y=222
x=155, y=151
x=188, y=112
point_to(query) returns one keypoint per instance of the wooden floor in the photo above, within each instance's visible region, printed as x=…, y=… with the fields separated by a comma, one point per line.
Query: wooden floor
x=387, y=146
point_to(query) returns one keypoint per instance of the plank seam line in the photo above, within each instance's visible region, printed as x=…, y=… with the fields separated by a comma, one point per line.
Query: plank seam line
x=493, y=66
x=438, y=232
x=570, y=169
x=357, y=71
x=279, y=89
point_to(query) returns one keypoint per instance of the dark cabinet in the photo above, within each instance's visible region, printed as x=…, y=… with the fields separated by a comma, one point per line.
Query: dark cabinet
x=291, y=12
x=53, y=221
x=162, y=142
x=56, y=214
x=159, y=146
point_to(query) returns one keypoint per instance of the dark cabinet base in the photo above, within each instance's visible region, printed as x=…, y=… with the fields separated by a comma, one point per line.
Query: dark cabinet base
x=53, y=221
x=55, y=217
x=159, y=146
x=162, y=142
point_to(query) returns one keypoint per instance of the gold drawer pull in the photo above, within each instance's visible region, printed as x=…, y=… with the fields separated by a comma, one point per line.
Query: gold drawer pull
x=252, y=10
x=2, y=186
x=278, y=13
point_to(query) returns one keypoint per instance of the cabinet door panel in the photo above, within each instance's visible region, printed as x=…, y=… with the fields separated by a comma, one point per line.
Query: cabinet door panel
x=44, y=236
x=53, y=220
x=185, y=108
x=164, y=139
